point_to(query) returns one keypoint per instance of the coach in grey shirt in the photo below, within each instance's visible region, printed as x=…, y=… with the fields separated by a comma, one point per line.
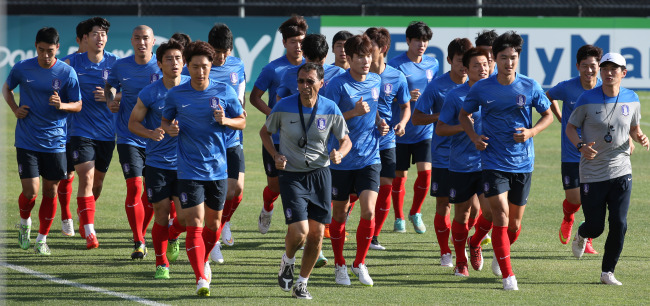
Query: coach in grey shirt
x=305, y=122
x=608, y=116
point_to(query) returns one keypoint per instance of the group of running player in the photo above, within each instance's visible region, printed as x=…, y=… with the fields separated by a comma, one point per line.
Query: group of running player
x=178, y=116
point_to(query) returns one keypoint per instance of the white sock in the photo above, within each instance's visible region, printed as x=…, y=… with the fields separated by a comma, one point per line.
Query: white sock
x=27, y=221
x=40, y=238
x=90, y=229
x=302, y=279
x=288, y=260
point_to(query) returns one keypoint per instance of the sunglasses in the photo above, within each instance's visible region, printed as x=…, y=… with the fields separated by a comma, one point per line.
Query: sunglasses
x=309, y=81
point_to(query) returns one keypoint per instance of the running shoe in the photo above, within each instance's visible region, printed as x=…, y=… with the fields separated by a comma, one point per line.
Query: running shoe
x=608, y=278
x=67, y=227
x=173, y=250
x=374, y=244
x=23, y=236
x=399, y=226
x=41, y=248
x=486, y=240
x=496, y=270
x=285, y=276
x=264, y=221
x=565, y=231
x=162, y=272
x=321, y=261
x=341, y=275
x=476, y=257
x=226, y=235
x=216, y=254
x=510, y=283
x=362, y=273
x=578, y=245
x=418, y=225
x=139, y=250
x=207, y=271
x=91, y=242
x=461, y=270
x=446, y=260
x=202, y=287
x=589, y=248
x=300, y=291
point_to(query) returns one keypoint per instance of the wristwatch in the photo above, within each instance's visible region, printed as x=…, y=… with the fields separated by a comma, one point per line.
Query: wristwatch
x=580, y=145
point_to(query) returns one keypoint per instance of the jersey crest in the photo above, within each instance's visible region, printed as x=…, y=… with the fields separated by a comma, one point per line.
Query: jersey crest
x=388, y=89
x=429, y=75
x=154, y=77
x=625, y=110
x=56, y=84
x=521, y=101
x=234, y=79
x=105, y=73
x=214, y=102
x=320, y=124
x=375, y=93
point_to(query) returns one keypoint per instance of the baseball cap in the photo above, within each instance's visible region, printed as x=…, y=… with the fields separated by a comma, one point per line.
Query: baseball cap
x=615, y=58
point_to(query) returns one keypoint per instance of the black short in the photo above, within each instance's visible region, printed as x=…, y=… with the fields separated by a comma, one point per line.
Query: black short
x=388, y=163
x=131, y=159
x=269, y=163
x=161, y=183
x=440, y=182
x=235, y=160
x=306, y=195
x=346, y=182
x=464, y=185
x=31, y=164
x=411, y=153
x=570, y=175
x=68, y=157
x=212, y=193
x=516, y=184
x=82, y=149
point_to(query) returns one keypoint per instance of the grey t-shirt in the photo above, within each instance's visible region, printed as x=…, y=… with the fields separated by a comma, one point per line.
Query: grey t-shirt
x=593, y=113
x=285, y=118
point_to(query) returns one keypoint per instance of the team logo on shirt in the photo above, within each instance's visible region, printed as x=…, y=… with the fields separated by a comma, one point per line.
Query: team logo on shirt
x=320, y=124
x=214, y=102
x=388, y=89
x=288, y=213
x=434, y=186
x=625, y=110
x=375, y=93
x=56, y=84
x=105, y=74
x=234, y=78
x=521, y=101
x=183, y=197
x=429, y=75
x=486, y=187
x=585, y=189
x=154, y=77
x=452, y=193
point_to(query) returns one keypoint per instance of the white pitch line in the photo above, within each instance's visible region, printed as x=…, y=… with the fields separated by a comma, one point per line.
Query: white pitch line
x=80, y=286
x=645, y=123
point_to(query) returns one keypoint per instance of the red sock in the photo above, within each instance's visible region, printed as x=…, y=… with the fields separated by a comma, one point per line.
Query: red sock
x=442, y=225
x=501, y=247
x=398, y=196
x=483, y=226
x=420, y=189
x=46, y=215
x=195, y=250
x=472, y=221
x=337, y=235
x=26, y=205
x=210, y=238
x=172, y=210
x=64, y=192
x=513, y=235
x=227, y=208
x=459, y=232
x=176, y=229
x=86, y=210
x=235, y=203
x=382, y=207
x=269, y=196
x=365, y=229
x=159, y=235
x=148, y=212
x=569, y=210
x=133, y=207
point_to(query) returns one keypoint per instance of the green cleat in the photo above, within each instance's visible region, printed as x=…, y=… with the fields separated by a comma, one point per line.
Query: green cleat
x=162, y=272
x=23, y=236
x=321, y=261
x=41, y=248
x=173, y=250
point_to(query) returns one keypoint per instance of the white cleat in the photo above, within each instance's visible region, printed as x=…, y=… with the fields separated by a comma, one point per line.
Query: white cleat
x=215, y=254
x=207, y=271
x=510, y=283
x=495, y=266
x=203, y=287
x=67, y=227
x=264, y=221
x=578, y=245
x=226, y=235
x=362, y=273
x=608, y=278
x=446, y=260
x=341, y=275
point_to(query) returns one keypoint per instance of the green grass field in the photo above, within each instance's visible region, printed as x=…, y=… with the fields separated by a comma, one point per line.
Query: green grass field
x=408, y=272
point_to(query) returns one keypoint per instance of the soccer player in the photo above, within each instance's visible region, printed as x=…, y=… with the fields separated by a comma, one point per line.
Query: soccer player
x=506, y=100
x=607, y=116
x=131, y=74
x=92, y=132
x=465, y=182
x=426, y=112
x=182, y=38
x=199, y=112
x=160, y=170
x=394, y=89
x=305, y=180
x=415, y=145
x=357, y=95
x=49, y=90
x=338, y=42
x=484, y=40
x=293, y=32
x=568, y=91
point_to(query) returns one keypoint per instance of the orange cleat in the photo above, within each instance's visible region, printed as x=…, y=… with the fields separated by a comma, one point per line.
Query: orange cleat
x=589, y=248
x=91, y=242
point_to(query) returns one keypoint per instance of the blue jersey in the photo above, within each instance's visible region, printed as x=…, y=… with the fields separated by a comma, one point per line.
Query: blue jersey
x=345, y=92
x=393, y=89
x=568, y=91
x=232, y=73
x=431, y=103
x=95, y=120
x=69, y=119
x=131, y=78
x=289, y=81
x=269, y=80
x=44, y=127
x=201, y=141
x=463, y=155
x=160, y=154
x=503, y=109
x=418, y=75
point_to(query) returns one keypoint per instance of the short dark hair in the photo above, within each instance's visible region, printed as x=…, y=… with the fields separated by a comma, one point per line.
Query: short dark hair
x=166, y=46
x=182, y=38
x=458, y=46
x=486, y=38
x=314, y=47
x=587, y=51
x=359, y=45
x=47, y=35
x=418, y=30
x=292, y=27
x=100, y=22
x=81, y=29
x=320, y=72
x=220, y=37
x=379, y=36
x=506, y=40
x=474, y=52
x=199, y=48
x=341, y=35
